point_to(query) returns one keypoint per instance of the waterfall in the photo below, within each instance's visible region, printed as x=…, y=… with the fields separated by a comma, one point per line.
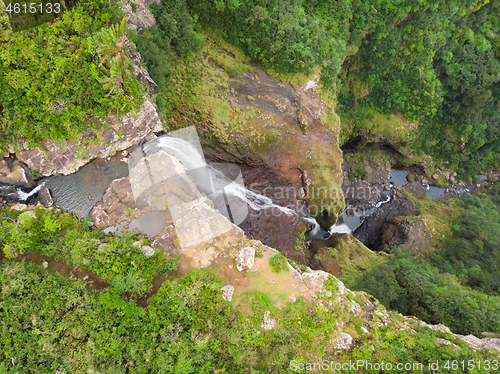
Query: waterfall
x=342, y=228
x=208, y=179
x=255, y=200
x=23, y=196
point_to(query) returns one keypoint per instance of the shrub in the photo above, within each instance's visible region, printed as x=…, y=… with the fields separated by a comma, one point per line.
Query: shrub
x=278, y=263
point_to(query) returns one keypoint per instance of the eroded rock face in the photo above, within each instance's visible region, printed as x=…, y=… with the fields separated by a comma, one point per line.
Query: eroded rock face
x=100, y=218
x=141, y=17
x=364, y=178
x=66, y=158
x=45, y=197
x=288, y=145
x=14, y=173
x=245, y=258
x=370, y=230
x=407, y=234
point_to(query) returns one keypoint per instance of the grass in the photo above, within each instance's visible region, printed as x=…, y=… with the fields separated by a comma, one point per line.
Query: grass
x=352, y=258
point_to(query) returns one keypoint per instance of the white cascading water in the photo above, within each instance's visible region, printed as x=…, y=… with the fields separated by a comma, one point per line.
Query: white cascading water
x=210, y=179
x=26, y=195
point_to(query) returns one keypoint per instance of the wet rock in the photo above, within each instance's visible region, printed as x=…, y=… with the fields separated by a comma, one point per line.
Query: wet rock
x=14, y=173
x=103, y=248
x=268, y=323
x=372, y=227
x=100, y=218
x=45, y=197
x=355, y=308
x=227, y=292
x=25, y=217
x=245, y=258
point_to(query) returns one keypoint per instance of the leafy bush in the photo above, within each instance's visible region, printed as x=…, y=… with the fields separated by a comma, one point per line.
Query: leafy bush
x=472, y=253
x=49, y=77
x=278, y=263
x=60, y=235
x=187, y=328
x=414, y=287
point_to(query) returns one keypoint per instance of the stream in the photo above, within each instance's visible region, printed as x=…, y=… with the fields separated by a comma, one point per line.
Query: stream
x=80, y=191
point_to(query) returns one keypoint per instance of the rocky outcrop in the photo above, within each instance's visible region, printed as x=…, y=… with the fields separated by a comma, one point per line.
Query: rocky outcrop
x=343, y=342
x=268, y=323
x=45, y=197
x=370, y=230
x=472, y=341
x=66, y=158
x=139, y=16
x=365, y=176
x=338, y=253
x=141, y=74
x=227, y=292
x=14, y=173
x=406, y=233
x=245, y=258
x=285, y=137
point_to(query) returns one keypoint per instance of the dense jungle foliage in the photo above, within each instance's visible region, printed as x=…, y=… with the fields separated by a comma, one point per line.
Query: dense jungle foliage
x=50, y=323
x=434, y=62
x=118, y=260
x=458, y=285
x=54, y=78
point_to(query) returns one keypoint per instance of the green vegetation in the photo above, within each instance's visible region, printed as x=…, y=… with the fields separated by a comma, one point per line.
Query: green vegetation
x=457, y=284
x=412, y=286
x=471, y=254
x=51, y=79
x=278, y=263
x=116, y=260
x=436, y=65
x=50, y=323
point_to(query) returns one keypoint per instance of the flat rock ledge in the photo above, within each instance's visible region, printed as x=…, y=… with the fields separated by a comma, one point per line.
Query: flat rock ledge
x=245, y=258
